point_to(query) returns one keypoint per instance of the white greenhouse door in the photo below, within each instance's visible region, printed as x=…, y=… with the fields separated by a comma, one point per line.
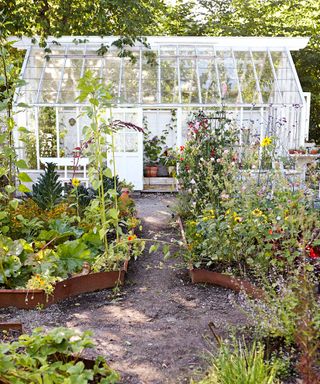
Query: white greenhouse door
x=129, y=147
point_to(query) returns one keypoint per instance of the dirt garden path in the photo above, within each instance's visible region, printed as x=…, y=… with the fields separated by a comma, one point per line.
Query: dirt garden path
x=155, y=331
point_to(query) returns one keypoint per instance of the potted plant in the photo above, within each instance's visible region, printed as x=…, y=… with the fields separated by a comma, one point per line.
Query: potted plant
x=297, y=151
x=169, y=158
x=152, y=150
x=314, y=151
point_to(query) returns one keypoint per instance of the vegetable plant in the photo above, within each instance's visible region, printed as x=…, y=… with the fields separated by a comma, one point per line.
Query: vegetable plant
x=52, y=357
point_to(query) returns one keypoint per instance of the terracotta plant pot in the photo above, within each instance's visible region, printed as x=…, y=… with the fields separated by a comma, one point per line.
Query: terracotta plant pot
x=31, y=298
x=314, y=151
x=151, y=171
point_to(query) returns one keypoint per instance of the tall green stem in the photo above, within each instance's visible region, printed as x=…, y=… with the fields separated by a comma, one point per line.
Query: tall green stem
x=11, y=176
x=99, y=164
x=114, y=178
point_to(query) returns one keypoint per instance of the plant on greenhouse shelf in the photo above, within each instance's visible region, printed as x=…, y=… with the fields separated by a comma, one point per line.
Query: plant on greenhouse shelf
x=169, y=158
x=152, y=148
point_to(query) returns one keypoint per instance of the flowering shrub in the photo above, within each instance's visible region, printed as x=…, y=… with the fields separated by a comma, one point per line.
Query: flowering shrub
x=256, y=231
x=206, y=161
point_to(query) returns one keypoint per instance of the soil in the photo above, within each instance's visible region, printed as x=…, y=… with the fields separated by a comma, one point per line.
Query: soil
x=155, y=330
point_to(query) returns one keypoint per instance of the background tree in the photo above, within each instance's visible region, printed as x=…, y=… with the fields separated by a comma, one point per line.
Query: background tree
x=132, y=19
x=260, y=18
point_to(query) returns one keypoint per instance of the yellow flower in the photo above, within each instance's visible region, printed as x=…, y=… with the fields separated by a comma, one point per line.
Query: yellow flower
x=132, y=237
x=266, y=142
x=257, y=212
x=75, y=182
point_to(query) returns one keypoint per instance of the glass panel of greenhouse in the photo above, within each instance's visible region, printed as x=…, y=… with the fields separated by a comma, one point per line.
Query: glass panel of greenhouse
x=168, y=72
x=253, y=79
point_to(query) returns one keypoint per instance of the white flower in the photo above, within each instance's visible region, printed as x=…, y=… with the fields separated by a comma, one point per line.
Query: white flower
x=75, y=338
x=192, y=181
x=218, y=160
x=278, y=218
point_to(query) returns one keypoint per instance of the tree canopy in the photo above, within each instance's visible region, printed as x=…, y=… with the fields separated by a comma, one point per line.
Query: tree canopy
x=131, y=19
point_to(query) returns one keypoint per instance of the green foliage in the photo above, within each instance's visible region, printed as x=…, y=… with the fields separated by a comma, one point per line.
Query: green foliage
x=52, y=357
x=71, y=255
x=288, y=321
x=9, y=82
x=12, y=255
x=206, y=161
x=152, y=145
x=47, y=191
x=236, y=362
x=96, y=93
x=108, y=18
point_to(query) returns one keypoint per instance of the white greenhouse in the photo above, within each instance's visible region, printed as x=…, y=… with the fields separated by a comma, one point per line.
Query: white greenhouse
x=253, y=79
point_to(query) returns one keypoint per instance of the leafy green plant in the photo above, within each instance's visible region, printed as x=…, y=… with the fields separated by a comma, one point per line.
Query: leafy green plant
x=152, y=147
x=93, y=91
x=47, y=191
x=236, y=362
x=205, y=162
x=53, y=357
x=12, y=255
x=10, y=81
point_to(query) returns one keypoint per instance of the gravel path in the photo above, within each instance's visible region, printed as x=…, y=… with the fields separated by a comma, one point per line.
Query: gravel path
x=155, y=330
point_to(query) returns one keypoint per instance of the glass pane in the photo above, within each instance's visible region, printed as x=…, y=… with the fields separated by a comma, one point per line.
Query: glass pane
x=130, y=80
x=188, y=81
x=119, y=141
x=168, y=51
x=112, y=74
x=47, y=132
x=208, y=81
x=131, y=142
x=247, y=80
x=68, y=138
x=94, y=65
x=169, y=81
x=265, y=76
x=149, y=77
x=205, y=51
x=71, y=76
x=29, y=140
x=286, y=79
x=228, y=78
x=186, y=51
x=48, y=97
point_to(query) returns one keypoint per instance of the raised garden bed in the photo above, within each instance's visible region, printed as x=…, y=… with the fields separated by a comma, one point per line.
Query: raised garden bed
x=30, y=299
x=220, y=279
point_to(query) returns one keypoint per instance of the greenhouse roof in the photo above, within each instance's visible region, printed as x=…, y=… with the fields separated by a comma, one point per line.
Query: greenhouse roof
x=213, y=71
